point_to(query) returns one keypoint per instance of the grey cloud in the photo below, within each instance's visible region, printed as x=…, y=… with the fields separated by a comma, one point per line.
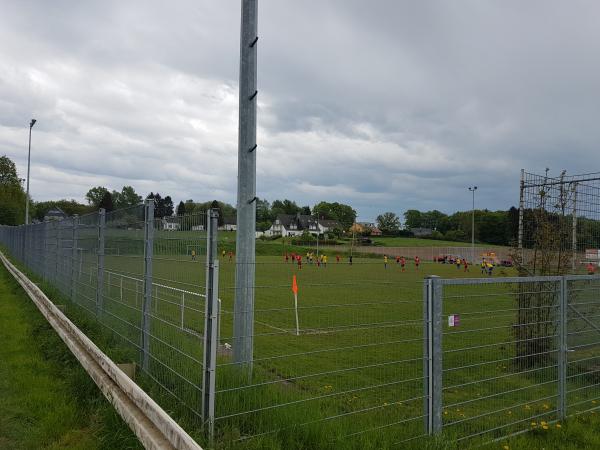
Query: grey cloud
x=387, y=105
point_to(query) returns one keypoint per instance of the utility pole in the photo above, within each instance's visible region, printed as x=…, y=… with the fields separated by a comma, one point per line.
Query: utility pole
x=243, y=311
x=31, y=124
x=473, y=189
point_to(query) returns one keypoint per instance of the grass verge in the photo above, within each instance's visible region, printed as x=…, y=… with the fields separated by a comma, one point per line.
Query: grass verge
x=47, y=400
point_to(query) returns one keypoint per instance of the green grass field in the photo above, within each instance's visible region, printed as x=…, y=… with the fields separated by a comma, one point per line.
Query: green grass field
x=352, y=378
x=47, y=401
x=416, y=242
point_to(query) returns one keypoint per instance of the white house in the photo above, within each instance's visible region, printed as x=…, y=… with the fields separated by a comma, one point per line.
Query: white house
x=296, y=225
x=170, y=224
x=229, y=224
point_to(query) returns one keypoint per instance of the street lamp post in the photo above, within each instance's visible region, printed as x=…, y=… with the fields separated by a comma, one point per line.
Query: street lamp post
x=473, y=189
x=31, y=124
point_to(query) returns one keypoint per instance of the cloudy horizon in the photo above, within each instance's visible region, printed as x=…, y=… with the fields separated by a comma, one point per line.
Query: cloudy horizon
x=386, y=105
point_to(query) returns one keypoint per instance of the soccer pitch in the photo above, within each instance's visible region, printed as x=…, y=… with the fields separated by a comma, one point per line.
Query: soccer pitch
x=354, y=374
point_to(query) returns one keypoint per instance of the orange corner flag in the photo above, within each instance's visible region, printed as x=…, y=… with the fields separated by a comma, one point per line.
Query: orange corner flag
x=294, y=285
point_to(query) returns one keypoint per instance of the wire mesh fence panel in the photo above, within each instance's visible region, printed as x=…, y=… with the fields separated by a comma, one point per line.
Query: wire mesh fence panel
x=583, y=343
x=176, y=316
x=559, y=222
x=142, y=278
x=343, y=358
x=500, y=356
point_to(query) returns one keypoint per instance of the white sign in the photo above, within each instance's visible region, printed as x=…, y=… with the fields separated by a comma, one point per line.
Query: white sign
x=453, y=320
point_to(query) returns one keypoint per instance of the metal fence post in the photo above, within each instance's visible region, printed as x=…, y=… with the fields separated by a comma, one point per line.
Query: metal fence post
x=74, y=257
x=243, y=309
x=574, y=229
x=147, y=300
x=521, y=211
x=100, y=265
x=211, y=323
x=56, y=250
x=562, y=349
x=432, y=351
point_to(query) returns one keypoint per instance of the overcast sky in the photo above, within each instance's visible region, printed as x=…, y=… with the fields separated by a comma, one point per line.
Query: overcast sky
x=386, y=105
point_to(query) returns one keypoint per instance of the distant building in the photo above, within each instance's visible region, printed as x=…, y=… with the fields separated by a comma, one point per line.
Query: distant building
x=420, y=232
x=55, y=214
x=197, y=227
x=376, y=232
x=297, y=224
x=170, y=224
x=229, y=224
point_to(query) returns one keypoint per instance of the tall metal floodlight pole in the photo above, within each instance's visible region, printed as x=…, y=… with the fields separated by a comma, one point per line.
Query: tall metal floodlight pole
x=473, y=189
x=243, y=313
x=31, y=124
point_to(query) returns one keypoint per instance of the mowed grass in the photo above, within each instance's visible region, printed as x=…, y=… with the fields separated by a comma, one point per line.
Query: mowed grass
x=352, y=378
x=417, y=242
x=47, y=401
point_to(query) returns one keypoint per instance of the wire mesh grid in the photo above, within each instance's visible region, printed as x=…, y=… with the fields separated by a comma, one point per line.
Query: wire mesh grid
x=500, y=352
x=343, y=357
x=560, y=221
x=99, y=261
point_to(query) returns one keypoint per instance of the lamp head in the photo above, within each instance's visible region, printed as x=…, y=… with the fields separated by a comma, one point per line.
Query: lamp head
x=33, y=121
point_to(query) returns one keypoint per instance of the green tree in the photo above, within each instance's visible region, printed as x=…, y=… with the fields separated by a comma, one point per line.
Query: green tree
x=388, y=223
x=413, y=219
x=126, y=198
x=12, y=195
x=284, y=207
x=70, y=207
x=95, y=195
x=8, y=172
x=344, y=214
x=106, y=202
x=263, y=211
x=181, y=209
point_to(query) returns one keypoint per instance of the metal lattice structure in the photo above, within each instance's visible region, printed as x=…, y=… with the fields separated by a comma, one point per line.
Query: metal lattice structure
x=559, y=222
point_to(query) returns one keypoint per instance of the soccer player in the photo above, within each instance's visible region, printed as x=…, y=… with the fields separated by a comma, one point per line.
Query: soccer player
x=324, y=260
x=223, y=253
x=230, y=255
x=397, y=260
x=299, y=259
x=337, y=258
x=466, y=264
x=193, y=255
x=483, y=266
x=417, y=262
x=350, y=260
x=286, y=257
x=490, y=268
x=402, y=263
x=385, y=260
x=591, y=269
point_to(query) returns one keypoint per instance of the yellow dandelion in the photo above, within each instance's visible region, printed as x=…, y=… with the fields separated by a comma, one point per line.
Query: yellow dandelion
x=543, y=422
x=545, y=427
x=509, y=413
x=385, y=403
x=527, y=407
x=533, y=424
x=558, y=425
x=546, y=406
x=506, y=447
x=445, y=413
x=594, y=402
